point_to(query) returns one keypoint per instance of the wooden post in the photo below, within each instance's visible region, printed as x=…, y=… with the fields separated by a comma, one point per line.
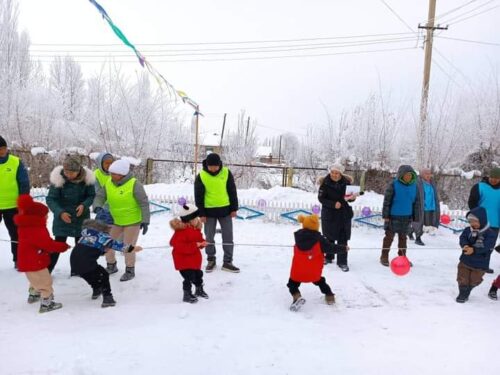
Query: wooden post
x=197, y=114
x=149, y=171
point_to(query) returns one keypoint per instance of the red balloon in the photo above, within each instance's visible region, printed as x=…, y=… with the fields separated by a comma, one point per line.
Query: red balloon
x=400, y=265
x=445, y=219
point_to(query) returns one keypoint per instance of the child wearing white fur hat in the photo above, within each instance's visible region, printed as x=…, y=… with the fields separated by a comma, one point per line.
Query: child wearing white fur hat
x=187, y=243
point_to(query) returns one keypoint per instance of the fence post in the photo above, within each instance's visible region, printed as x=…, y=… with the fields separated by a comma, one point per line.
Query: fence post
x=283, y=176
x=149, y=171
x=289, y=177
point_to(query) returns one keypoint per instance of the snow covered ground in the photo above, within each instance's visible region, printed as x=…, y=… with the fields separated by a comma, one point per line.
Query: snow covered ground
x=381, y=324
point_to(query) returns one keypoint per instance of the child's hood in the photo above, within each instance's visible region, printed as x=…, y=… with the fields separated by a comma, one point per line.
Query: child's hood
x=404, y=169
x=480, y=213
x=305, y=239
x=177, y=224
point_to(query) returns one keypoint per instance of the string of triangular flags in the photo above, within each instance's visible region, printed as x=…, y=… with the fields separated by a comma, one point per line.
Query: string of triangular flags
x=142, y=60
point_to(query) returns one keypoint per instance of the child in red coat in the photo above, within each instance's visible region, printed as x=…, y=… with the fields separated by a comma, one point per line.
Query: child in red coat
x=34, y=248
x=187, y=242
x=308, y=259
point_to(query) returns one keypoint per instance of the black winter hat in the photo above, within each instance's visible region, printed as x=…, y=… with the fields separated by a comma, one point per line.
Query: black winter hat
x=213, y=159
x=3, y=142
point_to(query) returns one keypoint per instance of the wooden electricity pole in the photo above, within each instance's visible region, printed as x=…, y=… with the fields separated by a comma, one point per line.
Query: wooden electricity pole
x=422, y=129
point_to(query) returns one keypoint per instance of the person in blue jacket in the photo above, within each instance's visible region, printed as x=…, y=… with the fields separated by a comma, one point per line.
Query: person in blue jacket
x=486, y=194
x=477, y=241
x=401, y=207
x=14, y=181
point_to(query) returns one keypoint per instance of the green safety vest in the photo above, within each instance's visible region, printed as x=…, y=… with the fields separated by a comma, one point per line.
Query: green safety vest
x=9, y=188
x=215, y=188
x=101, y=177
x=122, y=204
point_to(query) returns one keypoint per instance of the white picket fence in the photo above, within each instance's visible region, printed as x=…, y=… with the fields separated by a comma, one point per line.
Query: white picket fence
x=272, y=210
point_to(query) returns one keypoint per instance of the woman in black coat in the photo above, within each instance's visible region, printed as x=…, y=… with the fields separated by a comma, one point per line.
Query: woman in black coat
x=336, y=214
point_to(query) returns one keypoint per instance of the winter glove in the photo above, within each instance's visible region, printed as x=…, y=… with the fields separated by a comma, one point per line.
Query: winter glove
x=144, y=227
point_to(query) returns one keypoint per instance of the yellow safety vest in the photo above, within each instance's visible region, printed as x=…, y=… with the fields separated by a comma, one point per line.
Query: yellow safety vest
x=9, y=188
x=122, y=204
x=215, y=188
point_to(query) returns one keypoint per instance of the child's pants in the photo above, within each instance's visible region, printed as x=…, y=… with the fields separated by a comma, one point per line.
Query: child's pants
x=127, y=235
x=98, y=279
x=293, y=286
x=194, y=277
x=468, y=276
x=41, y=281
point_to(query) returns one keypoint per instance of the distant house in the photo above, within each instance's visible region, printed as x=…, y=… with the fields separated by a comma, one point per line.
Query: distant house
x=209, y=143
x=264, y=154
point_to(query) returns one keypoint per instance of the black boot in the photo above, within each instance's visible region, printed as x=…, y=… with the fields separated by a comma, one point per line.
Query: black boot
x=199, y=292
x=493, y=293
x=108, y=301
x=96, y=292
x=463, y=294
x=189, y=297
x=418, y=241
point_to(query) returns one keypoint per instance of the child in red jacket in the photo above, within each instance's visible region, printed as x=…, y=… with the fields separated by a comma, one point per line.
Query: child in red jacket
x=34, y=248
x=308, y=259
x=187, y=242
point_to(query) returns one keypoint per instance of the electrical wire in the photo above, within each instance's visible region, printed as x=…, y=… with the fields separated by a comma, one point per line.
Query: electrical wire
x=470, y=41
x=456, y=17
x=398, y=16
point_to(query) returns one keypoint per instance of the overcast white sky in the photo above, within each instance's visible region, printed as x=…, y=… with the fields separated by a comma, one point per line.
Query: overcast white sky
x=282, y=94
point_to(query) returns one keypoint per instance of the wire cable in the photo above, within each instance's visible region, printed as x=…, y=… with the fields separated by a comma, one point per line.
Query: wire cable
x=398, y=16
x=470, y=41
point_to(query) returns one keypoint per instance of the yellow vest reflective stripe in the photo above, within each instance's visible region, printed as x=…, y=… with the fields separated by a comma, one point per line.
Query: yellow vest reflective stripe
x=215, y=188
x=9, y=188
x=122, y=204
x=101, y=177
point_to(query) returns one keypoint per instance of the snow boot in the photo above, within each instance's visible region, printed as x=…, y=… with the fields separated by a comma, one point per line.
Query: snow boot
x=129, y=274
x=210, y=265
x=297, y=303
x=384, y=258
x=463, y=294
x=33, y=295
x=493, y=293
x=96, y=292
x=230, y=267
x=108, y=301
x=330, y=299
x=489, y=270
x=48, y=304
x=344, y=267
x=199, y=292
x=189, y=297
x=111, y=268
x=419, y=242
x=410, y=236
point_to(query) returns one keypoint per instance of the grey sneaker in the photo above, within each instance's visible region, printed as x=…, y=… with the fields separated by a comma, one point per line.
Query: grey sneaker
x=210, y=266
x=112, y=268
x=129, y=274
x=48, y=304
x=33, y=296
x=230, y=267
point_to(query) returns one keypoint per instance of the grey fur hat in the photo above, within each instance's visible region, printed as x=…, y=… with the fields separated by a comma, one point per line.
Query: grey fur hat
x=72, y=163
x=96, y=225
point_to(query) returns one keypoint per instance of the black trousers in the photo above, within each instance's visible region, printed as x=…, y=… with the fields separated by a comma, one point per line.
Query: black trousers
x=194, y=277
x=8, y=218
x=341, y=257
x=293, y=286
x=55, y=256
x=98, y=279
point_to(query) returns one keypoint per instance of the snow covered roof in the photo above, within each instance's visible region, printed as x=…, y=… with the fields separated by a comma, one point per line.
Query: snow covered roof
x=263, y=151
x=210, y=139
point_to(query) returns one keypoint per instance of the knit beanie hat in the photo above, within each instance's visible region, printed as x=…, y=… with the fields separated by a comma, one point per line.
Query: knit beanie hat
x=72, y=164
x=189, y=212
x=3, y=142
x=337, y=167
x=121, y=167
x=27, y=206
x=309, y=222
x=213, y=159
x=495, y=172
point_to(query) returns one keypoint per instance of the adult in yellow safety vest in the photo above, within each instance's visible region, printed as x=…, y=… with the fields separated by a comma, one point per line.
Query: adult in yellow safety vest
x=103, y=162
x=217, y=199
x=14, y=181
x=129, y=207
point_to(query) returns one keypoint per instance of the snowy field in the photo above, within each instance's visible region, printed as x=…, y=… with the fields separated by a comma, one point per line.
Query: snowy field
x=381, y=323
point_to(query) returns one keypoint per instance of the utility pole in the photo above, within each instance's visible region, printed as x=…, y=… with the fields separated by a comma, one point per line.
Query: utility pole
x=279, y=151
x=223, y=127
x=422, y=130
x=246, y=133
x=197, y=114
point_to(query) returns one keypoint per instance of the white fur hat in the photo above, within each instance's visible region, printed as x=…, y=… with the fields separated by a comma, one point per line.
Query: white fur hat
x=189, y=212
x=121, y=167
x=337, y=167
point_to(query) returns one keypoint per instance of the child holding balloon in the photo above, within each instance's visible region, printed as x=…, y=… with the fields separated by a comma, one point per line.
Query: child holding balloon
x=476, y=241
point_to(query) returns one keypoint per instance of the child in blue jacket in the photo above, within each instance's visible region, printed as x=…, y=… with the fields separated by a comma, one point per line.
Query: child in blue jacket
x=476, y=241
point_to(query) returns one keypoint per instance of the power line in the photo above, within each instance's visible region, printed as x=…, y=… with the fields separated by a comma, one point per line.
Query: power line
x=398, y=16
x=292, y=49
x=250, y=58
x=470, y=41
x=475, y=15
x=225, y=42
x=467, y=12
x=454, y=10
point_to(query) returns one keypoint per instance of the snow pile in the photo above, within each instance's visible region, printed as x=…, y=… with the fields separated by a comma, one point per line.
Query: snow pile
x=38, y=150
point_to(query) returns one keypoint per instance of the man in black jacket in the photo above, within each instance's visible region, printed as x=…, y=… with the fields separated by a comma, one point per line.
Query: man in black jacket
x=216, y=198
